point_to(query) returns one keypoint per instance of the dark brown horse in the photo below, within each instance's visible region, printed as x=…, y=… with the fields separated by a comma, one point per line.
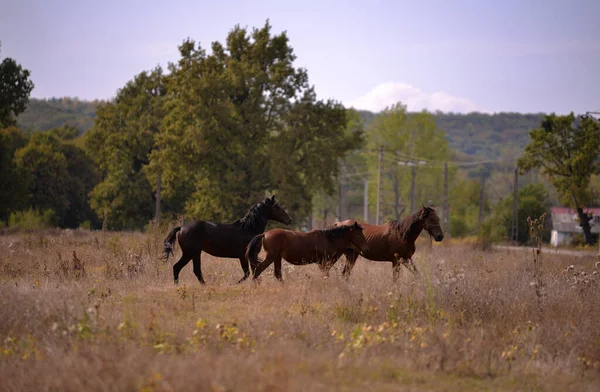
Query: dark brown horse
x=298, y=248
x=222, y=239
x=395, y=240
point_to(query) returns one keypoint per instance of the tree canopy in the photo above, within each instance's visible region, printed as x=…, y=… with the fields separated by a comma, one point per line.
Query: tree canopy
x=567, y=150
x=15, y=88
x=221, y=130
x=403, y=136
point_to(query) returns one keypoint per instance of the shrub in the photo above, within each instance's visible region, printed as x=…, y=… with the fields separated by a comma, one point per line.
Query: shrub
x=32, y=219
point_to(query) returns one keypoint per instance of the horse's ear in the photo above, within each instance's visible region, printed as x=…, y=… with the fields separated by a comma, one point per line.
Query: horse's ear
x=273, y=198
x=423, y=205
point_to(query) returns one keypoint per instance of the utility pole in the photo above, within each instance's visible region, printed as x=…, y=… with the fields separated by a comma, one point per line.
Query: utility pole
x=446, y=205
x=515, y=217
x=379, y=183
x=366, y=202
x=481, y=194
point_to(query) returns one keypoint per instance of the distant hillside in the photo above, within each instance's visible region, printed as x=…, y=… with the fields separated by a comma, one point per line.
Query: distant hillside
x=474, y=134
x=484, y=135
x=45, y=114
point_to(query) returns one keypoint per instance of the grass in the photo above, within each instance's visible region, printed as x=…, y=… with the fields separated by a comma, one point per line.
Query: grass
x=98, y=311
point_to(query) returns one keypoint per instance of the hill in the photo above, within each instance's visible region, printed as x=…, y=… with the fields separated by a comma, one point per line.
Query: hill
x=485, y=135
x=473, y=134
x=45, y=114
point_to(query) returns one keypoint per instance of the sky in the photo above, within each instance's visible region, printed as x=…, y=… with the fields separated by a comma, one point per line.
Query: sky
x=454, y=56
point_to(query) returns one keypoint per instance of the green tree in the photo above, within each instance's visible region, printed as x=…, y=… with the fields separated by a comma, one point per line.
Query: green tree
x=83, y=176
x=464, y=201
x=533, y=202
x=404, y=136
x=13, y=194
x=65, y=132
x=44, y=168
x=243, y=121
x=566, y=150
x=15, y=88
x=120, y=141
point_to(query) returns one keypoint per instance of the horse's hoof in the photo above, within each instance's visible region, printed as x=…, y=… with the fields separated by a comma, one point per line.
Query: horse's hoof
x=175, y=281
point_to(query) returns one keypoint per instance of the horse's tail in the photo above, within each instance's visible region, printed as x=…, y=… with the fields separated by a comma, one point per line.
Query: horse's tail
x=169, y=241
x=253, y=249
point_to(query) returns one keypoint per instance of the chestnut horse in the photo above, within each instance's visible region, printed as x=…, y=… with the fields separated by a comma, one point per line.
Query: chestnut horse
x=395, y=240
x=222, y=239
x=299, y=248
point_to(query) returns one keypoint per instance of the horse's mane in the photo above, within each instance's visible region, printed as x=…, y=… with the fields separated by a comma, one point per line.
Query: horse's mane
x=334, y=232
x=252, y=217
x=404, y=226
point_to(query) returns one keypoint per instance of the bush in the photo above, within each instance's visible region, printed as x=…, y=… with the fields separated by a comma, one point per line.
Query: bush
x=32, y=219
x=458, y=227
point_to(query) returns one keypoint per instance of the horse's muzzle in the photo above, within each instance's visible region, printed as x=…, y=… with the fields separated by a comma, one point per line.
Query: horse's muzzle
x=438, y=237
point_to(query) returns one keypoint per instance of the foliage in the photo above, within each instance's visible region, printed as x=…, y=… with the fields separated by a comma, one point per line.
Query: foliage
x=479, y=134
x=66, y=132
x=492, y=136
x=13, y=195
x=32, y=219
x=352, y=181
x=42, y=172
x=464, y=200
x=45, y=170
x=566, y=150
x=52, y=113
x=242, y=121
x=403, y=136
x=120, y=142
x=15, y=88
x=533, y=203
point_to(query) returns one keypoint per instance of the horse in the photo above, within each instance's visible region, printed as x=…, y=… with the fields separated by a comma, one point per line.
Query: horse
x=394, y=240
x=222, y=239
x=301, y=248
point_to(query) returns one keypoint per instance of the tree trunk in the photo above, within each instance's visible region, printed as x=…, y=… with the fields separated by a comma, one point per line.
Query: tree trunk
x=584, y=222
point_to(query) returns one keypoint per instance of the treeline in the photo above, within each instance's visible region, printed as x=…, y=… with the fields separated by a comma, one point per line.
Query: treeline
x=46, y=114
x=223, y=129
x=471, y=134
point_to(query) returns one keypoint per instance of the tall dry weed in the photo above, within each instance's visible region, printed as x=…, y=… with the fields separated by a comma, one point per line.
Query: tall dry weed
x=470, y=322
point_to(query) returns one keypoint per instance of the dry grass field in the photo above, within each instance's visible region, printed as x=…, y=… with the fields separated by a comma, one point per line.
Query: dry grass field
x=99, y=312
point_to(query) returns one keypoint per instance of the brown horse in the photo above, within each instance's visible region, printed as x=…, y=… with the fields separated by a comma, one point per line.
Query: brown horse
x=298, y=248
x=222, y=239
x=395, y=240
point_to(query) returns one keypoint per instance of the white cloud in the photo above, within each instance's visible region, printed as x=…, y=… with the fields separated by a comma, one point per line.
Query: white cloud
x=389, y=93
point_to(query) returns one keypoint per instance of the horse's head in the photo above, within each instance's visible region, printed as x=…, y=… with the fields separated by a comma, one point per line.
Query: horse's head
x=275, y=212
x=357, y=237
x=431, y=223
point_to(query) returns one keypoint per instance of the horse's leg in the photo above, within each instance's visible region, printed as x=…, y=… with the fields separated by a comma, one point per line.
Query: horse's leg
x=244, y=264
x=198, y=267
x=397, y=270
x=278, y=269
x=351, y=257
x=262, y=266
x=185, y=258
